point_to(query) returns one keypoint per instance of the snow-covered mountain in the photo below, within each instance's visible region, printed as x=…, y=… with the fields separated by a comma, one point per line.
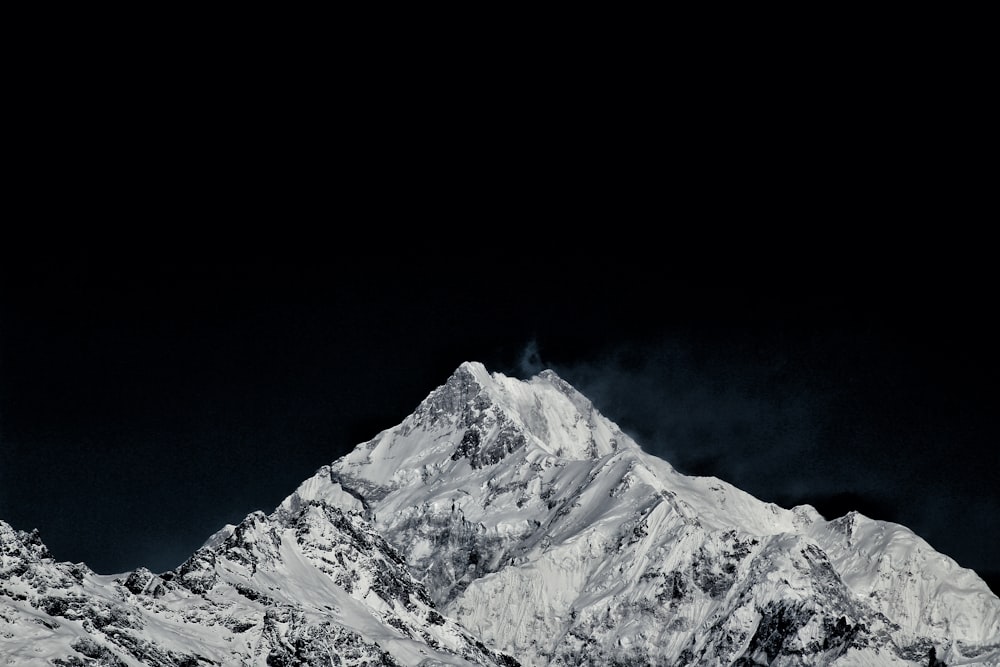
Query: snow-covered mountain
x=310, y=584
x=546, y=531
x=508, y=521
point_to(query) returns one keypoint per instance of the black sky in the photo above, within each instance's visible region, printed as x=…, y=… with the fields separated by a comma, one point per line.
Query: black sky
x=149, y=397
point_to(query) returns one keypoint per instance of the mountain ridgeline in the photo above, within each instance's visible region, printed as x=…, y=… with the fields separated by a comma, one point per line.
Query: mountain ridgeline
x=508, y=522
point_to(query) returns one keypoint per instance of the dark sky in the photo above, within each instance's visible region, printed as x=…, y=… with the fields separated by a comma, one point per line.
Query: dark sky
x=149, y=397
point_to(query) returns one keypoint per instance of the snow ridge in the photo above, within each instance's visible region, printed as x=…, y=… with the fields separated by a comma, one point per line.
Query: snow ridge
x=312, y=585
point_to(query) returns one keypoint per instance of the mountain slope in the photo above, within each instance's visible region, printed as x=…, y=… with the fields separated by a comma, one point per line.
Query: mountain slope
x=307, y=585
x=548, y=532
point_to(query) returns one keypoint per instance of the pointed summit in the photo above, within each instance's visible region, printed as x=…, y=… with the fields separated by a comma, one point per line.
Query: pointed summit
x=18, y=547
x=493, y=414
x=476, y=369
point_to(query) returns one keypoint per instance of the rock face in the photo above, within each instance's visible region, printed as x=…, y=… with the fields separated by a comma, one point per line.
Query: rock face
x=508, y=522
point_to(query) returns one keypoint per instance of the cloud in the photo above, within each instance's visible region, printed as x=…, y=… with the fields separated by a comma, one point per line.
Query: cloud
x=707, y=415
x=529, y=361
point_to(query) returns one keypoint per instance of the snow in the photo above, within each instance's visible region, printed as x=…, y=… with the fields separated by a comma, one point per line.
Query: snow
x=527, y=522
x=289, y=558
x=580, y=513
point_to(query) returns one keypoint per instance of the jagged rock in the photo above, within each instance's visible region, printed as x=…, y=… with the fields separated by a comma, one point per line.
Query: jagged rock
x=244, y=597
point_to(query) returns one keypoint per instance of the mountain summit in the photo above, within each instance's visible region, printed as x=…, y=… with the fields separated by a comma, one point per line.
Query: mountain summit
x=509, y=522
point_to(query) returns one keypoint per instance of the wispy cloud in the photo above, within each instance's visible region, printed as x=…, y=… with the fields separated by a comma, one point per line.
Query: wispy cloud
x=529, y=361
x=788, y=422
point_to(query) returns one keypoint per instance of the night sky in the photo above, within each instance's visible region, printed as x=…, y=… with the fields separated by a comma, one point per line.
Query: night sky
x=149, y=397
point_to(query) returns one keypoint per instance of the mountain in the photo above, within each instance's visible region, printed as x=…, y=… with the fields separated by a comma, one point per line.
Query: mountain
x=311, y=584
x=507, y=522
x=546, y=531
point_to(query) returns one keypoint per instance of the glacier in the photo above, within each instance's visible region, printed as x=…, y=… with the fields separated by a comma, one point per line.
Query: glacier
x=506, y=522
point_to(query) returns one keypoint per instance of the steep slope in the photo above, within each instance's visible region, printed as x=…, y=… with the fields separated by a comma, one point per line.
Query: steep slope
x=549, y=533
x=308, y=585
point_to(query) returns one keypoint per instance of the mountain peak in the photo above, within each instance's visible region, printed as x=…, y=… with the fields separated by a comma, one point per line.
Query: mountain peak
x=474, y=368
x=543, y=412
x=18, y=545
